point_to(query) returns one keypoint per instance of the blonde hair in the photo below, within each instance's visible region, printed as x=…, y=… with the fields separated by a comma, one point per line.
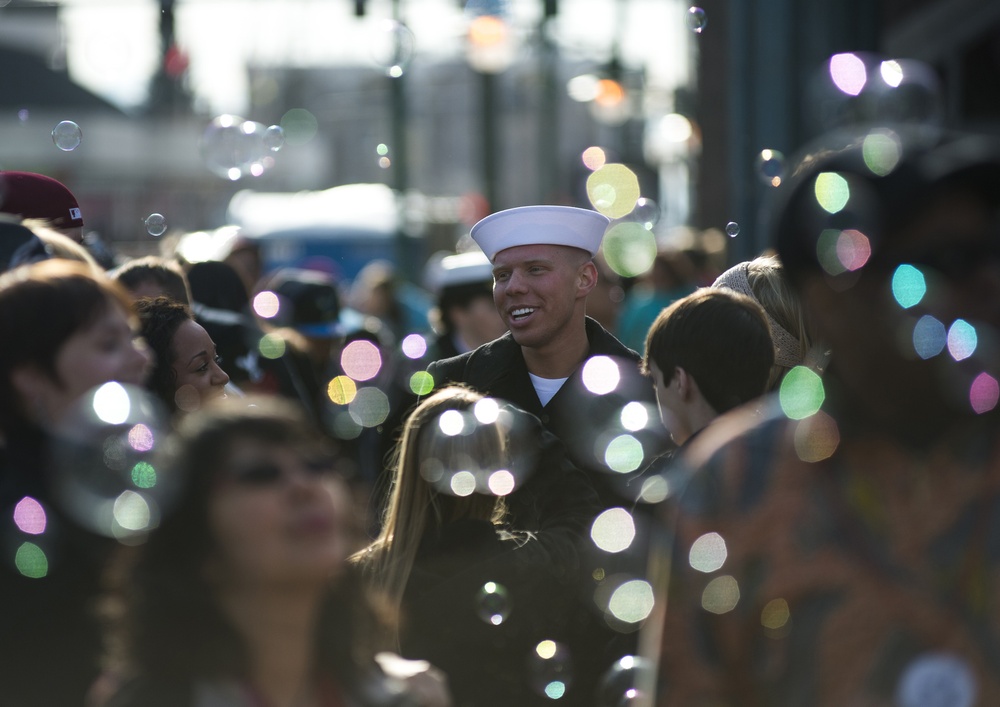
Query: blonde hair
x=771, y=289
x=763, y=279
x=416, y=506
x=59, y=245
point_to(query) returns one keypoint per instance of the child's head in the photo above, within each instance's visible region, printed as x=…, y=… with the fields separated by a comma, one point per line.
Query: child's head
x=715, y=345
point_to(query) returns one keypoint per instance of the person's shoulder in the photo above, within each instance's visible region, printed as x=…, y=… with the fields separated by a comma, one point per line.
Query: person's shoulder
x=759, y=423
x=604, y=343
x=483, y=357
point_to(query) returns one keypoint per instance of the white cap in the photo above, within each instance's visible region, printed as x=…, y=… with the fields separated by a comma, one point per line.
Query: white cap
x=540, y=225
x=460, y=269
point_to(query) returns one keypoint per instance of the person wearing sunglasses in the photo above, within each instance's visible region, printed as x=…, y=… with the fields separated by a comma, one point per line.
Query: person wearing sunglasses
x=243, y=596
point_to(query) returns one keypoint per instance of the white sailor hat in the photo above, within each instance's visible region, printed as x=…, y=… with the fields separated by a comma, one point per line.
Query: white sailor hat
x=460, y=269
x=540, y=225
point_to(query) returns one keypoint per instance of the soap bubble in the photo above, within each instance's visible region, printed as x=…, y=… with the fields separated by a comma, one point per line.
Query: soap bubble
x=493, y=603
x=156, y=224
x=393, y=47
x=67, y=135
x=109, y=475
x=770, y=166
x=487, y=449
x=629, y=681
x=233, y=147
x=732, y=229
x=274, y=138
x=551, y=666
x=697, y=21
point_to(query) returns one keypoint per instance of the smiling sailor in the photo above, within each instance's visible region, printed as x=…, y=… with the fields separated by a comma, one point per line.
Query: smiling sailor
x=543, y=270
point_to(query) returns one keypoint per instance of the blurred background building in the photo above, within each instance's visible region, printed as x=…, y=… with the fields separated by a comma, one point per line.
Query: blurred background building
x=459, y=108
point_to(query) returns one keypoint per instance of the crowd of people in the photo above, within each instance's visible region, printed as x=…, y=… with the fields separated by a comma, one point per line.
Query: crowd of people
x=774, y=484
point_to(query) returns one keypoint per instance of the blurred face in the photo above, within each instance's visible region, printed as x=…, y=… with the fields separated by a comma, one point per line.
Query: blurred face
x=196, y=366
x=950, y=257
x=280, y=516
x=478, y=322
x=540, y=291
x=107, y=350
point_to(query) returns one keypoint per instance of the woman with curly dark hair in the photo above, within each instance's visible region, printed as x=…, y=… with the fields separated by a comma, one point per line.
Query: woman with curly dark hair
x=243, y=596
x=187, y=370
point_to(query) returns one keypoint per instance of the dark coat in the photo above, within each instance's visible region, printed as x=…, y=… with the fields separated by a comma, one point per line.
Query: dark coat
x=583, y=422
x=574, y=415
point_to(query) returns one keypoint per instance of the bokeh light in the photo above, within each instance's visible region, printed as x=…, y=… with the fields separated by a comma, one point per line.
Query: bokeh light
x=29, y=516
x=929, y=337
x=421, y=383
x=132, y=512
x=112, y=404
x=613, y=530
x=881, y=151
x=842, y=251
x=962, y=340
x=624, y=454
x=937, y=678
x=601, y=375
x=908, y=286
x=594, y=158
x=341, y=390
x=67, y=135
x=463, y=483
x=144, y=475
x=832, y=192
x=775, y=614
x=708, y=553
x=266, y=304
x=801, y=393
x=629, y=248
x=486, y=411
x=501, y=482
x=141, y=438
x=271, y=346
x=848, y=73
x=984, y=393
x=451, y=423
x=816, y=437
x=891, y=72
x=30, y=561
x=721, y=595
x=632, y=601
x=300, y=126
x=613, y=190
x=361, y=360
x=370, y=407
x=414, y=346
x=635, y=416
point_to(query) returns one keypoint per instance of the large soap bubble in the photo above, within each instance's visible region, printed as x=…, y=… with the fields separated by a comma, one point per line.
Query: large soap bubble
x=108, y=473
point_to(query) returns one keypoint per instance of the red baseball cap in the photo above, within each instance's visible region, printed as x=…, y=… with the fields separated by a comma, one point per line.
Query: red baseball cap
x=30, y=195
